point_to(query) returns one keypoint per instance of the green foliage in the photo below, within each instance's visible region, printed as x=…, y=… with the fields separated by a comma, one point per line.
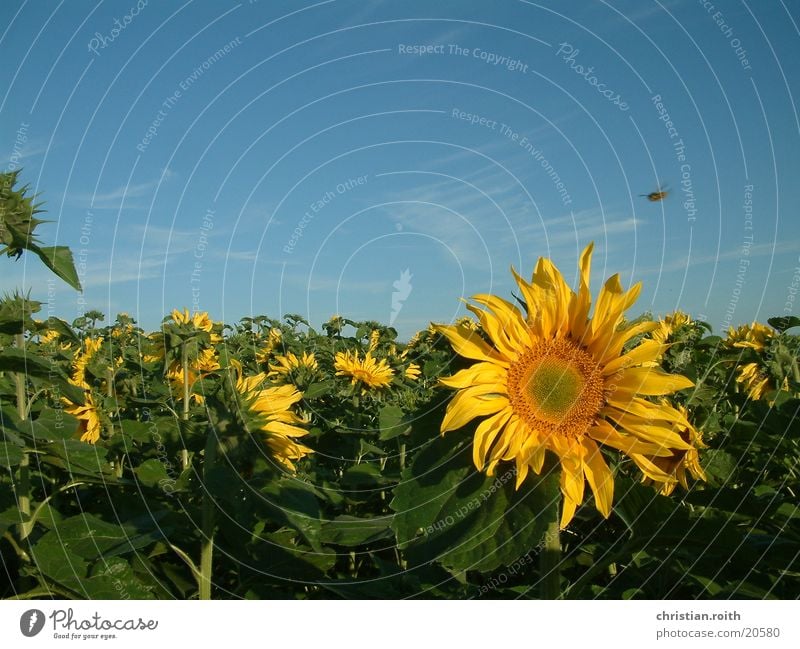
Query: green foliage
x=385, y=507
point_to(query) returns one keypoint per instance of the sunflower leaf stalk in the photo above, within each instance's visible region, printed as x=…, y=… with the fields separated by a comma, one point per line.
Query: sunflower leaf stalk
x=208, y=517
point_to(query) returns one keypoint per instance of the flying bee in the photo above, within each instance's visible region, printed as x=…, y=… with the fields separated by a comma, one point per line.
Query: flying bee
x=659, y=195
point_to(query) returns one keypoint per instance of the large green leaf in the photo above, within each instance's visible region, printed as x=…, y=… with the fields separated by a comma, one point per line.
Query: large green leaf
x=448, y=512
x=89, y=537
x=13, y=359
x=59, y=260
x=392, y=422
x=351, y=531
x=10, y=455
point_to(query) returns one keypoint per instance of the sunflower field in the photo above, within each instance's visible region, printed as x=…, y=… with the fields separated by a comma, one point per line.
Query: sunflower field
x=554, y=444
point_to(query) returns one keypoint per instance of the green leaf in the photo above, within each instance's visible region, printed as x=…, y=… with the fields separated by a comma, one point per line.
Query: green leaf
x=448, y=512
x=17, y=360
x=351, y=531
x=52, y=424
x=59, y=260
x=10, y=455
x=114, y=579
x=363, y=475
x=318, y=389
x=784, y=322
x=151, y=472
x=392, y=422
x=79, y=458
x=88, y=537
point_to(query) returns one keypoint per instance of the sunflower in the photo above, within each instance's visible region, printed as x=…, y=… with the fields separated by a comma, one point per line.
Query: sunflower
x=205, y=362
x=682, y=461
x=669, y=325
x=371, y=372
x=755, y=336
x=88, y=418
x=412, y=372
x=290, y=362
x=559, y=380
x=374, y=339
x=754, y=380
x=270, y=411
x=81, y=361
x=273, y=340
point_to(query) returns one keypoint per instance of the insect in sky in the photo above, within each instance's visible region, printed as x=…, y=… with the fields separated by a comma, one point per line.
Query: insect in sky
x=659, y=195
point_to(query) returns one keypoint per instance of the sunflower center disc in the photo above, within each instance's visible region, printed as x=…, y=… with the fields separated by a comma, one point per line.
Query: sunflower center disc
x=554, y=387
x=557, y=388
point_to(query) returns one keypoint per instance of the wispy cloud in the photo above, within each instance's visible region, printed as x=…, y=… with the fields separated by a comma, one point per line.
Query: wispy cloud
x=114, y=199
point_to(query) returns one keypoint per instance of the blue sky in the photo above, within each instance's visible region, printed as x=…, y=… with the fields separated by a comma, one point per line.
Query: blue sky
x=296, y=157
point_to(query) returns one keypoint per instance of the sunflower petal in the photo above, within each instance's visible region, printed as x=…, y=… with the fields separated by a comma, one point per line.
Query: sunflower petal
x=485, y=434
x=599, y=476
x=466, y=405
x=469, y=344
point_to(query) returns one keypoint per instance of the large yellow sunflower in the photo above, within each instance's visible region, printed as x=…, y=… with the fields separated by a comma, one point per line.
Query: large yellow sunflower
x=271, y=413
x=558, y=380
x=370, y=372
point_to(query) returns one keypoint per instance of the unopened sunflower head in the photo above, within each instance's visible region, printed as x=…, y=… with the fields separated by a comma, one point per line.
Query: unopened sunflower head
x=555, y=379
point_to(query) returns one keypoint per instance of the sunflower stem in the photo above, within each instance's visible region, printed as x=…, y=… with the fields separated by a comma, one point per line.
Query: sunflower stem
x=24, y=482
x=550, y=555
x=209, y=518
x=185, y=368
